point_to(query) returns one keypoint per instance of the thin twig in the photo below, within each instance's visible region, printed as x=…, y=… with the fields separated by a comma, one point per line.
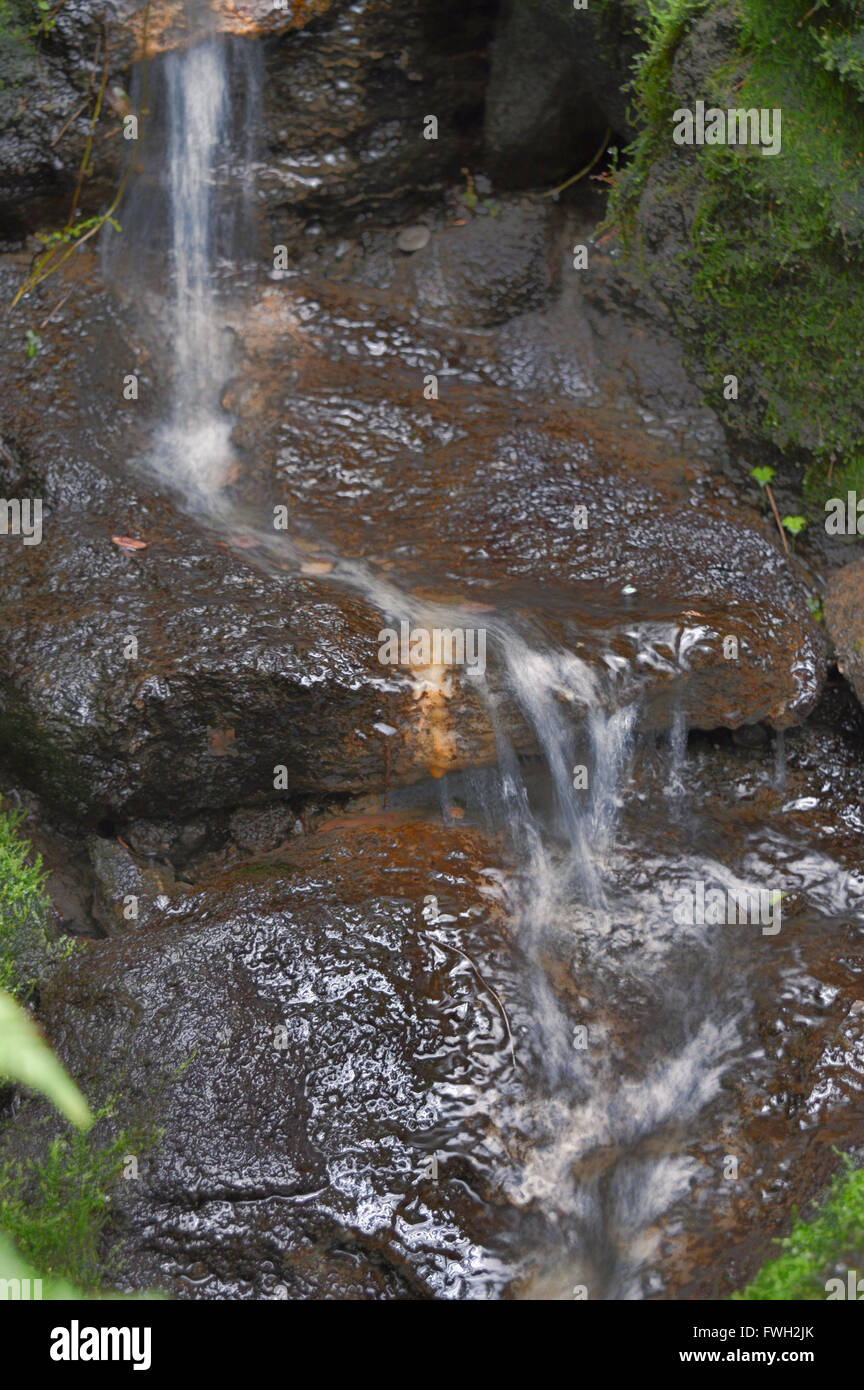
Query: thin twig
x=777, y=518
x=449, y=946
x=45, y=270
x=89, y=146
x=57, y=306
x=71, y=119
x=552, y=192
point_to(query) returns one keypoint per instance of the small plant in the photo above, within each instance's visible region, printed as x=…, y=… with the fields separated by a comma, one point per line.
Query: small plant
x=54, y=1208
x=469, y=197
x=764, y=477
x=816, y=1249
x=47, y=19
x=59, y=246
x=33, y=341
x=817, y=607
x=794, y=524
x=23, y=909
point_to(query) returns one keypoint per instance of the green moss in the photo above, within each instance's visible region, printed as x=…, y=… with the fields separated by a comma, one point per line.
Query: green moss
x=23, y=910
x=819, y=1249
x=54, y=1205
x=17, y=50
x=776, y=244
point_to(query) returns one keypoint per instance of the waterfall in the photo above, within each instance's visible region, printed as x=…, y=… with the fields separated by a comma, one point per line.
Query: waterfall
x=675, y=789
x=196, y=443
x=185, y=211
x=190, y=209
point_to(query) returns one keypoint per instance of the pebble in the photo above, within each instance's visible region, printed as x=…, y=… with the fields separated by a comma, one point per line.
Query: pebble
x=413, y=238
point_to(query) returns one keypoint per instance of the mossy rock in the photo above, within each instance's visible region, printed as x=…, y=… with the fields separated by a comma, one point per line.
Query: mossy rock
x=761, y=260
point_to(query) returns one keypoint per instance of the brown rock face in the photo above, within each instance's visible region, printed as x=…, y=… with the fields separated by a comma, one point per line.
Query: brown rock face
x=187, y=673
x=306, y=1074
x=522, y=508
x=346, y=93
x=844, y=616
x=502, y=504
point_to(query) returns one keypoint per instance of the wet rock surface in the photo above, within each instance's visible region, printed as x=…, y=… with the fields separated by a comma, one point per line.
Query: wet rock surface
x=347, y=91
x=843, y=617
x=234, y=669
x=347, y=101
x=128, y=895
x=664, y=565
x=795, y=1095
x=317, y=1000
x=245, y=665
x=46, y=97
x=308, y=1028
x=490, y=270
x=311, y=1040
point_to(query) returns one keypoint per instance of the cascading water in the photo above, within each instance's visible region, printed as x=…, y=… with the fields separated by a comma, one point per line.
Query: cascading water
x=584, y=1162
x=195, y=447
x=191, y=208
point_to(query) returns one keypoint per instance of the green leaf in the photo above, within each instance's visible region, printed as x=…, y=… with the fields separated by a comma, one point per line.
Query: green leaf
x=25, y=1057
x=762, y=476
x=794, y=524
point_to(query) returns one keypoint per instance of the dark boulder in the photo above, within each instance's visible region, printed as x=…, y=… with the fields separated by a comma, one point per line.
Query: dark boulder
x=306, y=1039
x=556, y=84
x=844, y=616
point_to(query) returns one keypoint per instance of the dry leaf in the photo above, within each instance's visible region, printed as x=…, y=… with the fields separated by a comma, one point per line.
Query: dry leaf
x=222, y=743
x=129, y=543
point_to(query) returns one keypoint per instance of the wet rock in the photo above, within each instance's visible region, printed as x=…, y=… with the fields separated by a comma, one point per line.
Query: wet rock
x=260, y=829
x=51, y=69
x=219, y=693
x=346, y=94
x=303, y=1171
x=127, y=895
x=186, y=676
x=844, y=618
x=164, y=840
x=531, y=511
x=307, y=1042
x=750, y=736
x=347, y=105
x=491, y=269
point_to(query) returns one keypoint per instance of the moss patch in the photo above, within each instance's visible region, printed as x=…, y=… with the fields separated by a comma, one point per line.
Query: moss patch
x=23, y=910
x=17, y=48
x=56, y=1203
x=775, y=249
x=817, y=1250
